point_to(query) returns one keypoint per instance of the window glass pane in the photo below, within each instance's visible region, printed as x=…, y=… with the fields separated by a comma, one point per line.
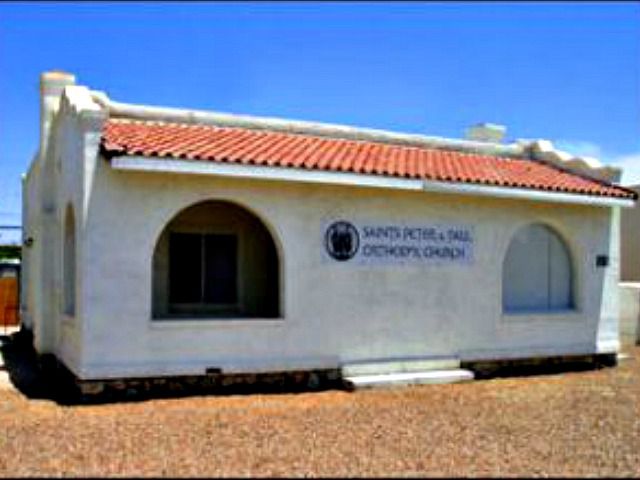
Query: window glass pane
x=559, y=275
x=525, y=277
x=221, y=269
x=185, y=268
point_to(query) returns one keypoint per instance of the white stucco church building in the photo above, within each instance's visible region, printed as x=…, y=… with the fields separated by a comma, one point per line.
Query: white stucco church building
x=167, y=242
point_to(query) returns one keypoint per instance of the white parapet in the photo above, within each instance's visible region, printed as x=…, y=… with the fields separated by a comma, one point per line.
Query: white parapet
x=591, y=167
x=176, y=115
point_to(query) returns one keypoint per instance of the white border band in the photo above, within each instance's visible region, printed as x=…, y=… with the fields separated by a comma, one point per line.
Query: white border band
x=166, y=165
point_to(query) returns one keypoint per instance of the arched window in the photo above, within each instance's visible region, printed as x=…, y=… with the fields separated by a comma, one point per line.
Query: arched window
x=69, y=262
x=215, y=260
x=537, y=274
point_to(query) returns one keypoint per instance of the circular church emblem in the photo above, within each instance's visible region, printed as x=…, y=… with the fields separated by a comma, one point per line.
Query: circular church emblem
x=342, y=240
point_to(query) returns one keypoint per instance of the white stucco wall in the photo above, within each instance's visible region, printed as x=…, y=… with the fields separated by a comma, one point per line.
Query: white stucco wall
x=334, y=313
x=29, y=263
x=60, y=176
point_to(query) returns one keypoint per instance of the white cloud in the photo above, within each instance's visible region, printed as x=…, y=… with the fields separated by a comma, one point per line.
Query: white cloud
x=579, y=148
x=630, y=165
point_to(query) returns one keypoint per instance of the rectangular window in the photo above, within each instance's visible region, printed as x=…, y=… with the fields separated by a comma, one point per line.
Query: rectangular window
x=203, y=269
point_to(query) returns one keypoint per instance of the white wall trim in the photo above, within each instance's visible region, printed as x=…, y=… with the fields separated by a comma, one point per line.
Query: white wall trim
x=150, y=164
x=157, y=164
x=526, y=194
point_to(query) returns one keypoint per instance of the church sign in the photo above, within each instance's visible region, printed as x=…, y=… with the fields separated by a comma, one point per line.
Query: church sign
x=394, y=243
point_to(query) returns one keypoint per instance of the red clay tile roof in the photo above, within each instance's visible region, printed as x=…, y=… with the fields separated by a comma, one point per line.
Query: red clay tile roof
x=270, y=148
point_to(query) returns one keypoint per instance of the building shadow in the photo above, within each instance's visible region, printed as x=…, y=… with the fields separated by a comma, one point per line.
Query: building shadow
x=30, y=374
x=528, y=367
x=43, y=377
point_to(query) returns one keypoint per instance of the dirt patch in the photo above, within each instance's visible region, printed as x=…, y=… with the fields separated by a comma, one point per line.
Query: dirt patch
x=584, y=424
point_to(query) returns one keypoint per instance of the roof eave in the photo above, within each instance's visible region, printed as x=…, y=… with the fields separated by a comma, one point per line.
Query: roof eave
x=170, y=165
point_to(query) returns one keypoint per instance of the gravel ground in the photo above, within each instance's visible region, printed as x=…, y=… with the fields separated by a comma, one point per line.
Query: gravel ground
x=583, y=424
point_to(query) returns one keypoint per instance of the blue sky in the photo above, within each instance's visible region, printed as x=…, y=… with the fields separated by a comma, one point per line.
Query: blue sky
x=568, y=72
